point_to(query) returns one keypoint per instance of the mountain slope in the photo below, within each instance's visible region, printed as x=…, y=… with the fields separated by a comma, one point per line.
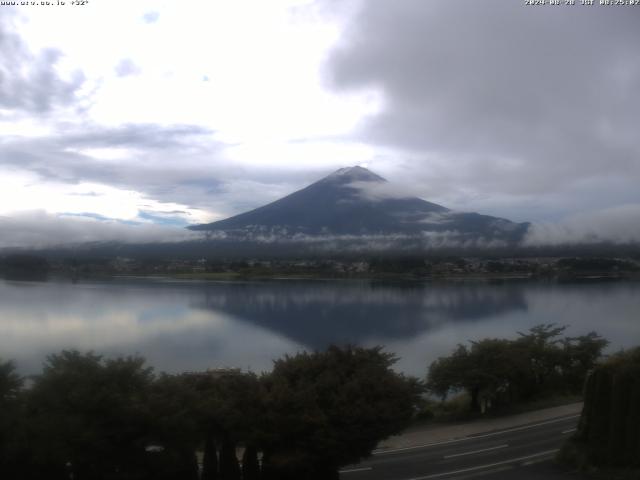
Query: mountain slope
x=352, y=202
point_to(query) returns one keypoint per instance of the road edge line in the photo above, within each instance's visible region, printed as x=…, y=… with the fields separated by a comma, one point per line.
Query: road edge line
x=484, y=435
x=483, y=467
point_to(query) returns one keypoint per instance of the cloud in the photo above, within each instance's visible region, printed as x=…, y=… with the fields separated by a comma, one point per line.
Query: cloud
x=29, y=81
x=378, y=191
x=24, y=191
x=423, y=241
x=38, y=229
x=126, y=67
x=151, y=17
x=618, y=225
x=143, y=121
x=181, y=164
x=159, y=161
x=497, y=99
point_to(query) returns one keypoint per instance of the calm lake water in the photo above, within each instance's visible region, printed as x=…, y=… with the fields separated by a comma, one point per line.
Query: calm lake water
x=182, y=325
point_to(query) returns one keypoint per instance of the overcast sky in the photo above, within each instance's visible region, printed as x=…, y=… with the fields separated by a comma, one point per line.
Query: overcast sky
x=143, y=116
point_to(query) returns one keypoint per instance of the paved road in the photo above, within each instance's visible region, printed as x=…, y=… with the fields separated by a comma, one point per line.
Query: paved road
x=523, y=452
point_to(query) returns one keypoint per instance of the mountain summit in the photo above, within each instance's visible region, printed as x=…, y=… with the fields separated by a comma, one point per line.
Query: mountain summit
x=353, y=174
x=356, y=202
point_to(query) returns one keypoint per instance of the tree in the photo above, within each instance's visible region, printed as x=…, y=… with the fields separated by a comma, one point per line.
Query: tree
x=177, y=429
x=89, y=416
x=228, y=407
x=329, y=409
x=608, y=434
x=24, y=266
x=12, y=440
x=489, y=371
x=215, y=410
x=581, y=356
x=250, y=465
x=502, y=371
x=542, y=347
x=10, y=382
x=495, y=365
x=210, y=459
x=448, y=373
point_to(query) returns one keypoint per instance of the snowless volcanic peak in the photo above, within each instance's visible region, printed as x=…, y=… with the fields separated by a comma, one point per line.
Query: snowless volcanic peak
x=340, y=204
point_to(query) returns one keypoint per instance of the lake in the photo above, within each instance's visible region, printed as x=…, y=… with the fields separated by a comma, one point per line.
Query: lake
x=191, y=325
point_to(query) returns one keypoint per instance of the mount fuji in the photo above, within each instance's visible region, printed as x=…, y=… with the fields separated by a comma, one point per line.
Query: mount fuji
x=355, y=203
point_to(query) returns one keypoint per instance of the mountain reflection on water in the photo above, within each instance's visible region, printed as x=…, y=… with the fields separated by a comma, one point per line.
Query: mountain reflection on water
x=189, y=325
x=317, y=314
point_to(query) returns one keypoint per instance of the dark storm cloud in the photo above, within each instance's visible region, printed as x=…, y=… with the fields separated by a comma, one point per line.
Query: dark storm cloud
x=29, y=81
x=499, y=99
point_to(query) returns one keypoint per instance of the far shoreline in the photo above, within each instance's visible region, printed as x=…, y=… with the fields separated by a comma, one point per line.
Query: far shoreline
x=232, y=277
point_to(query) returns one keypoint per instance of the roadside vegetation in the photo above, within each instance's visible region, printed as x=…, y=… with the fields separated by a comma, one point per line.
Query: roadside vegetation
x=540, y=367
x=87, y=417
x=607, y=441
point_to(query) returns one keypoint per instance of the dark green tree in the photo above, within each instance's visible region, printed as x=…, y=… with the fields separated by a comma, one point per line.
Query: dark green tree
x=88, y=416
x=22, y=266
x=581, y=356
x=228, y=408
x=250, y=465
x=502, y=371
x=495, y=366
x=329, y=409
x=210, y=459
x=446, y=373
x=489, y=371
x=10, y=383
x=229, y=466
x=177, y=428
x=542, y=346
x=215, y=410
x=12, y=433
x=608, y=433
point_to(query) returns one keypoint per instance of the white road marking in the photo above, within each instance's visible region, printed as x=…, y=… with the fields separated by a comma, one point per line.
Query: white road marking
x=533, y=462
x=485, y=472
x=352, y=470
x=482, y=467
x=485, y=435
x=476, y=451
x=569, y=431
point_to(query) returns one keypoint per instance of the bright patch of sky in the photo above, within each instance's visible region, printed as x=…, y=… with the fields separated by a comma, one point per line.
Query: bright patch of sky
x=249, y=70
x=20, y=191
